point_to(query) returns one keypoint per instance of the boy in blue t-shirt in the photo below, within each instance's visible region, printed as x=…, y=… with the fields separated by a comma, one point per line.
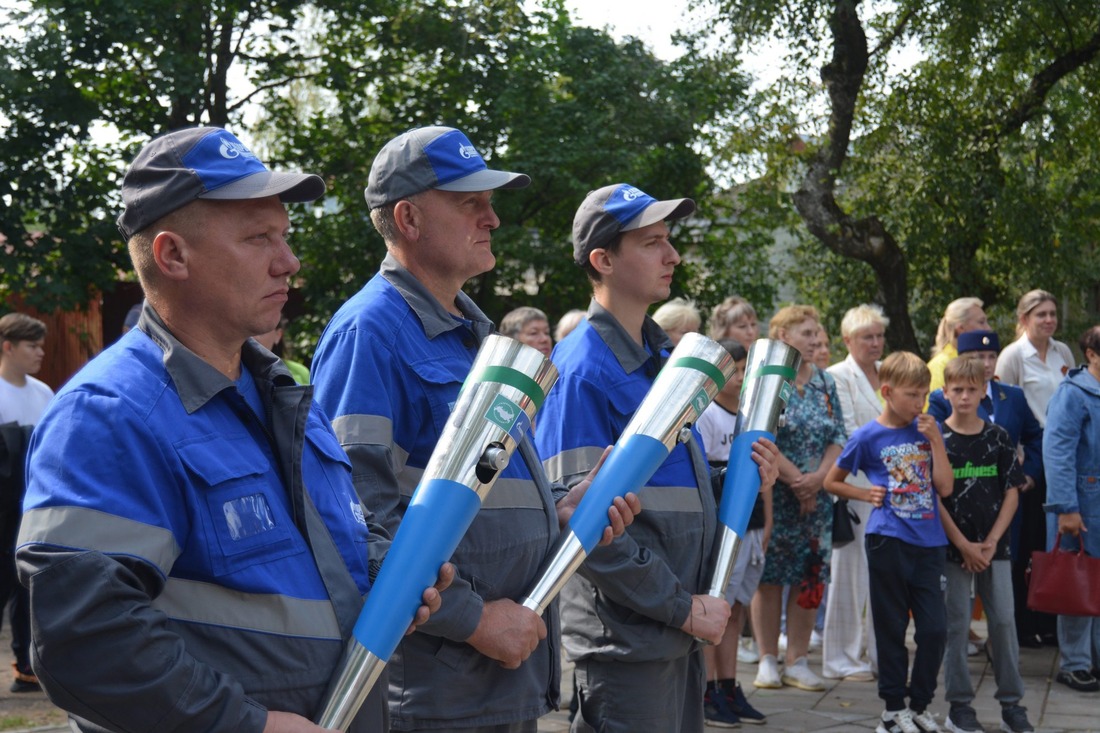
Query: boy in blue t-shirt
x=902, y=454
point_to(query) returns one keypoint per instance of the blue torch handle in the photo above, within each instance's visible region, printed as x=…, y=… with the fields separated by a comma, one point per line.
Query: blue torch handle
x=632, y=462
x=742, y=482
x=438, y=516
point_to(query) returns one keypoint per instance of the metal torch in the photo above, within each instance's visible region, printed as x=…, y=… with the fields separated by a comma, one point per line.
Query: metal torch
x=696, y=371
x=769, y=376
x=498, y=400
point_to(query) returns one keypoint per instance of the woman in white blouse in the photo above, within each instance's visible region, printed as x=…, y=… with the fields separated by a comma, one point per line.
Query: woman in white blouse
x=847, y=608
x=1036, y=361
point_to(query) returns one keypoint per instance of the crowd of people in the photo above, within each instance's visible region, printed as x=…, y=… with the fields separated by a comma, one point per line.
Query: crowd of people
x=200, y=526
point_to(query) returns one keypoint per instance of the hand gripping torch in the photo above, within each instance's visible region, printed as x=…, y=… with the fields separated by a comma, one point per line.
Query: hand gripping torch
x=769, y=374
x=498, y=400
x=696, y=370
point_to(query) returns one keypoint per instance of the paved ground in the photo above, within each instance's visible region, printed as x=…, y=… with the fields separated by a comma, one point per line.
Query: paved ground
x=855, y=706
x=844, y=706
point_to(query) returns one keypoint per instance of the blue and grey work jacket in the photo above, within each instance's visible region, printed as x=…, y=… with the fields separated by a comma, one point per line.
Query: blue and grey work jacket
x=171, y=542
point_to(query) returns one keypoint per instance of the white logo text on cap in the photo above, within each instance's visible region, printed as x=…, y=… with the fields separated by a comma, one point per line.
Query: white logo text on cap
x=231, y=149
x=467, y=151
x=630, y=193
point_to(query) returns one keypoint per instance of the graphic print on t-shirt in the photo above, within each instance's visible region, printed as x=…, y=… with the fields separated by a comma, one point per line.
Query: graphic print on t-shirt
x=909, y=492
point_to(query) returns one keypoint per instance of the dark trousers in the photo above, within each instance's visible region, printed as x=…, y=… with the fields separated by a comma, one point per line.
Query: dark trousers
x=11, y=590
x=641, y=697
x=906, y=578
x=1029, y=533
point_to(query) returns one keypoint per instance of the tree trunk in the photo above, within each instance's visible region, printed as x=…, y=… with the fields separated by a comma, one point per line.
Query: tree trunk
x=863, y=239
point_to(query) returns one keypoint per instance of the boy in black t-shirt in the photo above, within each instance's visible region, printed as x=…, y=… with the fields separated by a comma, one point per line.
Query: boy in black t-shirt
x=976, y=518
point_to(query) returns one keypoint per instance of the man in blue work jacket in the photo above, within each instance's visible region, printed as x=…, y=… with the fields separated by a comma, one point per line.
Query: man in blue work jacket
x=388, y=369
x=195, y=551
x=632, y=615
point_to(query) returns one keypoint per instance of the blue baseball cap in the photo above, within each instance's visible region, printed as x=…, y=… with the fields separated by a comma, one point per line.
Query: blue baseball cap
x=173, y=170
x=609, y=211
x=432, y=157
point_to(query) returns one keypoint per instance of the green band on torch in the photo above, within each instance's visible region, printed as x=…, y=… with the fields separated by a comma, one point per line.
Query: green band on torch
x=513, y=378
x=701, y=365
x=784, y=371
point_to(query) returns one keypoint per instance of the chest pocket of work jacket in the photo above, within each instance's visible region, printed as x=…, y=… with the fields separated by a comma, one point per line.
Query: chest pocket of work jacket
x=441, y=380
x=328, y=470
x=241, y=502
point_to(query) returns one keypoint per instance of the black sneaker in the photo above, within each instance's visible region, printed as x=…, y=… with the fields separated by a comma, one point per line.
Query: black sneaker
x=1014, y=719
x=1079, y=679
x=741, y=707
x=25, y=683
x=963, y=719
x=716, y=709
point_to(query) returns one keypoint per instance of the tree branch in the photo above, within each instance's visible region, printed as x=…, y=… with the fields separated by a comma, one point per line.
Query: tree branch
x=888, y=40
x=1031, y=100
x=264, y=87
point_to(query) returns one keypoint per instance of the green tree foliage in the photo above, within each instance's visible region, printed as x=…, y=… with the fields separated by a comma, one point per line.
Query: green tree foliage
x=970, y=173
x=82, y=84
x=325, y=85
x=569, y=105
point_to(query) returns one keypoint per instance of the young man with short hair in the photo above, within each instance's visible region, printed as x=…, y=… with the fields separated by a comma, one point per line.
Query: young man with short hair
x=633, y=612
x=22, y=397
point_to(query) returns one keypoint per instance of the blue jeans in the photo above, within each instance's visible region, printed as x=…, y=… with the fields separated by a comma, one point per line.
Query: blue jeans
x=906, y=578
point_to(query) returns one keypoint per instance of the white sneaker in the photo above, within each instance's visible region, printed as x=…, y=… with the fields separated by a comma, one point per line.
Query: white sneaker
x=798, y=674
x=746, y=651
x=900, y=721
x=815, y=640
x=767, y=675
x=927, y=722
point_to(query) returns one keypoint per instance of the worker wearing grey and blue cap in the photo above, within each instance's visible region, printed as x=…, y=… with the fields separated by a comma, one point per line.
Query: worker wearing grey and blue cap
x=388, y=369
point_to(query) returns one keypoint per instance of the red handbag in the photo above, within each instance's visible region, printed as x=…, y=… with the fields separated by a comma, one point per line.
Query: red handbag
x=1064, y=582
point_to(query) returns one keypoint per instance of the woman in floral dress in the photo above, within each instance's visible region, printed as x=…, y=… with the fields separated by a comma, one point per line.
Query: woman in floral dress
x=797, y=555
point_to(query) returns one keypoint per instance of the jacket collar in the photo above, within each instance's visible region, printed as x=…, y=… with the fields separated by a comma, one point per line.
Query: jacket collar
x=434, y=318
x=196, y=381
x=626, y=350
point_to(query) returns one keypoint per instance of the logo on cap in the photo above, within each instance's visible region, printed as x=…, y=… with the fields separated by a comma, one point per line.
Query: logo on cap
x=231, y=149
x=630, y=193
x=468, y=152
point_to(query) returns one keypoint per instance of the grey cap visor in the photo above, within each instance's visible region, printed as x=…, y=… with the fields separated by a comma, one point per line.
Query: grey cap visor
x=404, y=182
x=486, y=180
x=661, y=211
x=289, y=187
